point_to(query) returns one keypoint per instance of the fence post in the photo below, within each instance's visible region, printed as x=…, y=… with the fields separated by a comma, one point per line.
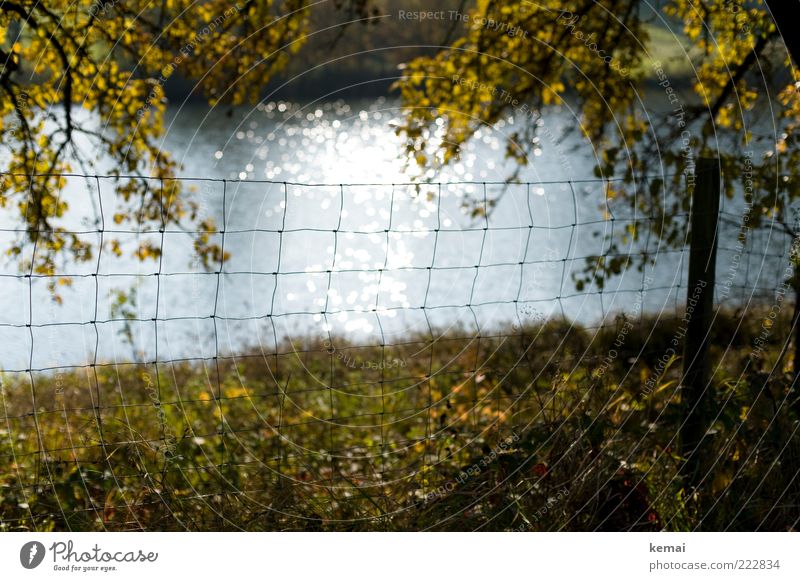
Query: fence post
x=697, y=394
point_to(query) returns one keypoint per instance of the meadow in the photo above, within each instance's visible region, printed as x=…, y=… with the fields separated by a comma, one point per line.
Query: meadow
x=547, y=427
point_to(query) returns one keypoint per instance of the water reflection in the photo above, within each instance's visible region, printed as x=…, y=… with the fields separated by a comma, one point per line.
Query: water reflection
x=310, y=256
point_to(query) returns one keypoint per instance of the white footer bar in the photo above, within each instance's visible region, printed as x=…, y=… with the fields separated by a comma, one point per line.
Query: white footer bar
x=400, y=556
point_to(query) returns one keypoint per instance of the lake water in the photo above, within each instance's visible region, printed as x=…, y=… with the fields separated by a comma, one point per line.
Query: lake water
x=368, y=262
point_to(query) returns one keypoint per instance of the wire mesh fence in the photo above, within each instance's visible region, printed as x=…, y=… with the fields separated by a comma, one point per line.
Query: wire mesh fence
x=353, y=351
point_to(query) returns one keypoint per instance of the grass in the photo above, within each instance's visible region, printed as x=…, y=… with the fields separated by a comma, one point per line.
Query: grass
x=542, y=430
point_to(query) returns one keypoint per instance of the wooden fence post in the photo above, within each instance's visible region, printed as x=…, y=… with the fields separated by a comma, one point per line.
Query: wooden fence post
x=697, y=393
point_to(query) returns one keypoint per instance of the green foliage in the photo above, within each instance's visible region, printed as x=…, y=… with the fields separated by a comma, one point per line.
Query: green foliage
x=420, y=440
